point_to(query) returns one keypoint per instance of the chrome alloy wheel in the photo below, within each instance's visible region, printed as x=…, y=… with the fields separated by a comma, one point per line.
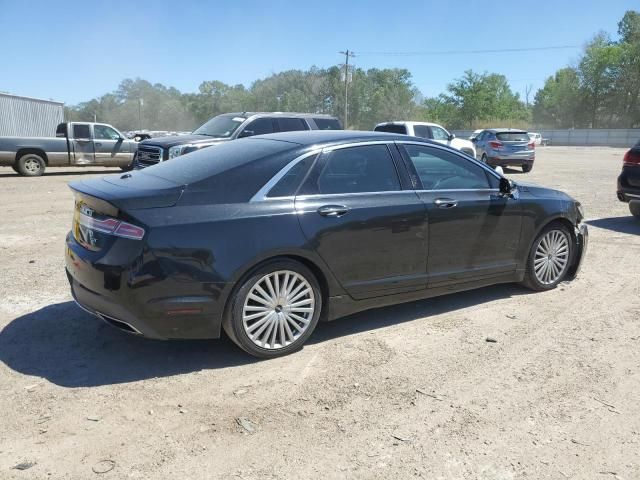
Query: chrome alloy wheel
x=551, y=257
x=278, y=309
x=32, y=165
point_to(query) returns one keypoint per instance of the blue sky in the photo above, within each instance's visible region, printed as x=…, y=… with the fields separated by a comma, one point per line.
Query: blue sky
x=76, y=50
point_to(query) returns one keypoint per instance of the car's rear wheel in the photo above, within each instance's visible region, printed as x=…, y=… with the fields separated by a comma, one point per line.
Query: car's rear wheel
x=30, y=165
x=526, y=168
x=550, y=258
x=634, y=208
x=275, y=310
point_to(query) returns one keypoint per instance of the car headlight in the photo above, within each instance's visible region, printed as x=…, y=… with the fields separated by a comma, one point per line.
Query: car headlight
x=580, y=211
x=176, y=151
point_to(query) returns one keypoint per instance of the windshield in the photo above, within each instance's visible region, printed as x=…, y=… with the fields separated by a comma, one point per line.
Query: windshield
x=513, y=136
x=221, y=126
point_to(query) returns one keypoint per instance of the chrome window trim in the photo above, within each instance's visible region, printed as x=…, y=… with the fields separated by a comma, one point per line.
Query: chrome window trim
x=458, y=152
x=261, y=195
x=353, y=194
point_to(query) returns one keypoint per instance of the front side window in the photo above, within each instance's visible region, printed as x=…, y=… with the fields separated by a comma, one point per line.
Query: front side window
x=102, y=132
x=369, y=168
x=260, y=126
x=441, y=170
x=439, y=133
x=327, y=124
x=292, y=124
x=81, y=131
x=421, y=131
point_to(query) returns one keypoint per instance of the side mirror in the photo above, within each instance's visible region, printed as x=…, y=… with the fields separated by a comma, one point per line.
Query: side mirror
x=499, y=170
x=506, y=187
x=452, y=136
x=473, y=139
x=246, y=133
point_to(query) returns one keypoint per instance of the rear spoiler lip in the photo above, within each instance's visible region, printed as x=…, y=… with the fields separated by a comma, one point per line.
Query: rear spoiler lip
x=125, y=198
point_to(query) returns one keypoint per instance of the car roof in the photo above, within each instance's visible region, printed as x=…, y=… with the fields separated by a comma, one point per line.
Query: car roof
x=279, y=114
x=505, y=130
x=320, y=137
x=409, y=122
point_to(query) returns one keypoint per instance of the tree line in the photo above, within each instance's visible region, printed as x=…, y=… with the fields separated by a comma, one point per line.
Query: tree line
x=601, y=90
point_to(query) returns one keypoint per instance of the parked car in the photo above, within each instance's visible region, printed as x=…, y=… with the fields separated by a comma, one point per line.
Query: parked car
x=505, y=147
x=230, y=126
x=77, y=144
x=536, y=138
x=266, y=236
x=432, y=131
x=629, y=180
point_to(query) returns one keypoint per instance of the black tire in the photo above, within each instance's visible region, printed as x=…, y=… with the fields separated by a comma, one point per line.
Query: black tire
x=526, y=168
x=30, y=165
x=233, y=320
x=15, y=169
x=634, y=208
x=530, y=280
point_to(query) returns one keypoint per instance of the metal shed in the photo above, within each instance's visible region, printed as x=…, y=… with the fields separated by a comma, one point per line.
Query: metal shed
x=29, y=117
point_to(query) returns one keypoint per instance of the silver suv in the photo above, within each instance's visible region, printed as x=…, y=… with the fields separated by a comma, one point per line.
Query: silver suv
x=505, y=147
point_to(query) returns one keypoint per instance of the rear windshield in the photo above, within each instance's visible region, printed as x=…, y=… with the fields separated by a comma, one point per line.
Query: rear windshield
x=230, y=172
x=390, y=128
x=328, y=123
x=513, y=136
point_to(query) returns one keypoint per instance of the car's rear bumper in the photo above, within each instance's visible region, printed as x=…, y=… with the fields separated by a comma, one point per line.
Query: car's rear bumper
x=629, y=184
x=582, y=243
x=510, y=160
x=141, y=299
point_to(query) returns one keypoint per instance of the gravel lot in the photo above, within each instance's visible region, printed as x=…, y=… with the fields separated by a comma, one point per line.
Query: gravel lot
x=407, y=391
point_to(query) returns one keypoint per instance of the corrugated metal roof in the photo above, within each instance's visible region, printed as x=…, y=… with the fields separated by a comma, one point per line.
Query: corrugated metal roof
x=31, y=98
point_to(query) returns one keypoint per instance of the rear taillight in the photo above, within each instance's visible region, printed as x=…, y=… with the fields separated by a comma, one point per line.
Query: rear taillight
x=631, y=158
x=495, y=144
x=111, y=226
x=532, y=146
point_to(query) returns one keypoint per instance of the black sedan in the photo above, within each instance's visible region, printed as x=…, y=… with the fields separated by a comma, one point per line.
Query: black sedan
x=268, y=235
x=629, y=180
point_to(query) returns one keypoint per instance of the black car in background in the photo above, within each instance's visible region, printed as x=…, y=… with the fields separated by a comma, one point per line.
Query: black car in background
x=266, y=236
x=629, y=180
x=230, y=126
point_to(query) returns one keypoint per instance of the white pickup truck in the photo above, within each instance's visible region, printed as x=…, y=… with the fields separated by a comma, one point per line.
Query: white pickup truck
x=432, y=131
x=77, y=144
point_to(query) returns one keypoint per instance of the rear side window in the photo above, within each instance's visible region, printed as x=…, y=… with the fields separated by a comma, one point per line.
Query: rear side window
x=363, y=169
x=327, y=123
x=513, y=136
x=292, y=124
x=61, y=130
x=391, y=128
x=421, y=131
x=81, y=131
x=289, y=183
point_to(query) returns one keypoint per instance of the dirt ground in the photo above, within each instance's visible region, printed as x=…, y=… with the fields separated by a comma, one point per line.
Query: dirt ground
x=408, y=391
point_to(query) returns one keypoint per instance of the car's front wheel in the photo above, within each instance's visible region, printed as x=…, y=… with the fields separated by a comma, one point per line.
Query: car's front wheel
x=526, y=168
x=275, y=310
x=634, y=208
x=549, y=258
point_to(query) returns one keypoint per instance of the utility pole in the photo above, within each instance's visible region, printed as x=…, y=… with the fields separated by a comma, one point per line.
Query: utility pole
x=140, y=102
x=527, y=90
x=346, y=54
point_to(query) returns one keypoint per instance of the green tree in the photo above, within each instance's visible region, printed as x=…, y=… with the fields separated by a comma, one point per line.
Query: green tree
x=557, y=104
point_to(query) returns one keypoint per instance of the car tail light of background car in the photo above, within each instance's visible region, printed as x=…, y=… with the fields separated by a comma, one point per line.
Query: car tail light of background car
x=495, y=144
x=631, y=158
x=532, y=145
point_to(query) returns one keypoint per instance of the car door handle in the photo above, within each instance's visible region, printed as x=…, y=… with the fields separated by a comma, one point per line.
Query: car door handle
x=332, y=210
x=97, y=144
x=445, y=202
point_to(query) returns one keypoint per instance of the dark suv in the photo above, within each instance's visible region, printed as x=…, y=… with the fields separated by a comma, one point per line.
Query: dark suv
x=229, y=126
x=629, y=180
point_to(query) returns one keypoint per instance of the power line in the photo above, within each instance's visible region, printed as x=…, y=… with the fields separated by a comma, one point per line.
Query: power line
x=473, y=52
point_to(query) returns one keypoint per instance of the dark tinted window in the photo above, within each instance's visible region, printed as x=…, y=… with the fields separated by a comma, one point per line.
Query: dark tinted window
x=421, y=131
x=61, y=130
x=288, y=185
x=292, y=124
x=513, y=137
x=81, y=131
x=260, y=126
x=357, y=169
x=390, y=128
x=328, y=123
x=441, y=170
